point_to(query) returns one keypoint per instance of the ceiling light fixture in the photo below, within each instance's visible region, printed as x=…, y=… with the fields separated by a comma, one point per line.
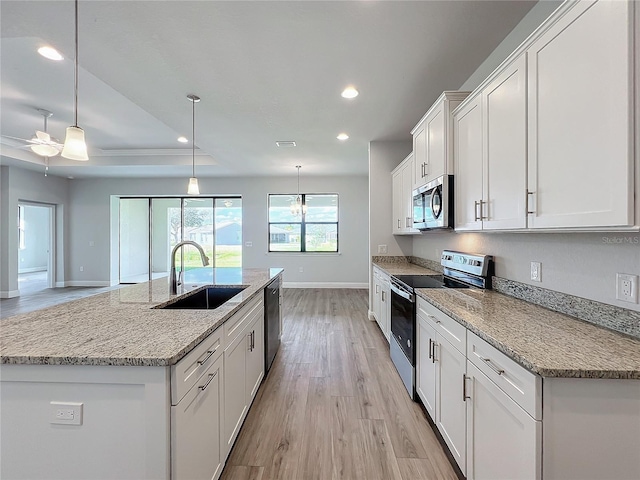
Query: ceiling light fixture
x=50, y=53
x=350, y=92
x=42, y=143
x=183, y=139
x=193, y=188
x=286, y=143
x=297, y=207
x=343, y=137
x=75, y=148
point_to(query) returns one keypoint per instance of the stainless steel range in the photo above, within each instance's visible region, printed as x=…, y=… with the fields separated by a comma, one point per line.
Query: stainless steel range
x=461, y=270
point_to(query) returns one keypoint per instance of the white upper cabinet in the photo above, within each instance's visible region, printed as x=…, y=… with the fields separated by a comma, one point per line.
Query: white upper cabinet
x=433, y=140
x=504, y=173
x=402, y=194
x=581, y=93
x=468, y=171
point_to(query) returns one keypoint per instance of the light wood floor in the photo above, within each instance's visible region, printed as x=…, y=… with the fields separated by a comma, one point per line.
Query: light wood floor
x=333, y=406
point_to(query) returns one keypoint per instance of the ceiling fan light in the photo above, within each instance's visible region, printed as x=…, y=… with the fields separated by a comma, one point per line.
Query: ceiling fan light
x=45, y=150
x=193, y=188
x=75, y=147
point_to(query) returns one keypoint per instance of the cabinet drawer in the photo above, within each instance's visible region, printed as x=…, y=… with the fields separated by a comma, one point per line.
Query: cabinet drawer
x=240, y=320
x=446, y=326
x=186, y=372
x=516, y=381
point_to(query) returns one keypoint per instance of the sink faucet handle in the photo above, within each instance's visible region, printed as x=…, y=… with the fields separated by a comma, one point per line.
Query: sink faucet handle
x=179, y=282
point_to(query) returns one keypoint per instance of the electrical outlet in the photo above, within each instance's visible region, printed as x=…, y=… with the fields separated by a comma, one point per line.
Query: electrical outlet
x=301, y=269
x=382, y=249
x=82, y=269
x=627, y=287
x=248, y=244
x=69, y=413
x=536, y=271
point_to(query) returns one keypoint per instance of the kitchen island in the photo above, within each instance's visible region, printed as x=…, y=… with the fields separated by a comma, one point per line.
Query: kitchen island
x=114, y=386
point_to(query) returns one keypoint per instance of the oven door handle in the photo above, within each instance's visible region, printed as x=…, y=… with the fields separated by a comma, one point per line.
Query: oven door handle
x=401, y=291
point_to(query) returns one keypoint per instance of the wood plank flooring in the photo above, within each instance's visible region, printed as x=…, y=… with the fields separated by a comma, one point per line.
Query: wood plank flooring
x=333, y=406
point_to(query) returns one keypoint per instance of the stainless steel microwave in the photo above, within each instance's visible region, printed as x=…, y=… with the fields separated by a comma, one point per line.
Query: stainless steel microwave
x=433, y=204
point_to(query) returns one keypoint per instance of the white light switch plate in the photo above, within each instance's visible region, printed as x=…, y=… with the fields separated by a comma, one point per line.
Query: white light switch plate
x=536, y=271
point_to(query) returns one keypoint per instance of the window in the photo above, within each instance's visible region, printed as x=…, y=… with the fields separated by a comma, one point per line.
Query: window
x=315, y=229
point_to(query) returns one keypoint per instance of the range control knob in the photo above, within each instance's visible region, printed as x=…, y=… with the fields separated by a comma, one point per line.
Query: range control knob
x=408, y=343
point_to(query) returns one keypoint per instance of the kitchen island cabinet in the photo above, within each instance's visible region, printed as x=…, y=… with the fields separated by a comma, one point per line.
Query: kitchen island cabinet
x=150, y=383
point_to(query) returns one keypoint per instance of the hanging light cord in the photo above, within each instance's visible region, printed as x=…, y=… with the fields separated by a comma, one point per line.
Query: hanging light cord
x=193, y=139
x=75, y=103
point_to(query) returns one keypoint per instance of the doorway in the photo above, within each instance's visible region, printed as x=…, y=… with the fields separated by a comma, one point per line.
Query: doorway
x=35, y=247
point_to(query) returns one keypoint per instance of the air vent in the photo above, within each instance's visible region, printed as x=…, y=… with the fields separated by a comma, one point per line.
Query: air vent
x=286, y=143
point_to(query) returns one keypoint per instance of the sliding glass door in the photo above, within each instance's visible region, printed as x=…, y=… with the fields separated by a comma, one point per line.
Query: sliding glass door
x=151, y=227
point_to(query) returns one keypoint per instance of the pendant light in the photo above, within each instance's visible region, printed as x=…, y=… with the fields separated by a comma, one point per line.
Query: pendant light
x=297, y=207
x=75, y=147
x=193, y=188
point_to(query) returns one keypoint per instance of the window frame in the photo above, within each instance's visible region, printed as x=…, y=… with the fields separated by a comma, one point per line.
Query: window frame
x=303, y=224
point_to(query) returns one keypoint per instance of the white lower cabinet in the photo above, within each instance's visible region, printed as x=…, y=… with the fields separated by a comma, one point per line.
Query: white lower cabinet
x=426, y=365
x=382, y=301
x=244, y=370
x=195, y=429
x=503, y=441
x=451, y=414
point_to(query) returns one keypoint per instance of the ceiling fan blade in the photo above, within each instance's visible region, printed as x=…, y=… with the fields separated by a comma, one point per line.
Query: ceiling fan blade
x=16, y=138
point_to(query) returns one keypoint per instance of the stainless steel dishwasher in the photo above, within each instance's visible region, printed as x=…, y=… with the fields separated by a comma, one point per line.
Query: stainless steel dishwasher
x=271, y=322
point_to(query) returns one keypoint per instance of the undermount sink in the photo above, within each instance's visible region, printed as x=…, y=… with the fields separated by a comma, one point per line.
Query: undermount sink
x=207, y=299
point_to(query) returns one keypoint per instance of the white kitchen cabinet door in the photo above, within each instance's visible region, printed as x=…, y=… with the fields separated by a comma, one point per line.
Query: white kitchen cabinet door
x=255, y=358
x=235, y=398
x=377, y=294
x=505, y=141
x=426, y=365
x=407, y=195
x=385, y=306
x=580, y=84
x=196, y=451
x=503, y=441
x=467, y=126
x=435, y=133
x=451, y=413
x=419, y=155
x=397, y=200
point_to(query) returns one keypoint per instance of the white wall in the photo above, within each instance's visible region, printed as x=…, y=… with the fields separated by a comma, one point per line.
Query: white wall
x=383, y=158
x=25, y=185
x=34, y=256
x=581, y=264
x=91, y=217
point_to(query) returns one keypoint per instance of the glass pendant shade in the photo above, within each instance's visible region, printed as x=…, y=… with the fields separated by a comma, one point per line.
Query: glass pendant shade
x=44, y=150
x=75, y=147
x=193, y=188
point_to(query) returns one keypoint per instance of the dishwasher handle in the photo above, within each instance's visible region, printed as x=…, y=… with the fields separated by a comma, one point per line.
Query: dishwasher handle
x=399, y=290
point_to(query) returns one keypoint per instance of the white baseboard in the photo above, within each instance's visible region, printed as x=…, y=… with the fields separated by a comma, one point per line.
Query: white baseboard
x=32, y=269
x=9, y=293
x=86, y=283
x=371, y=315
x=324, y=285
x=59, y=285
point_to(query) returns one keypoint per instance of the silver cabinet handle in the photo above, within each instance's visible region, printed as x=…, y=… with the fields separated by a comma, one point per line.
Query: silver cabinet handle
x=430, y=343
x=249, y=338
x=422, y=170
x=207, y=356
x=253, y=340
x=433, y=355
x=433, y=318
x=475, y=211
x=492, y=366
x=426, y=165
x=377, y=288
x=408, y=222
x=529, y=212
x=383, y=295
x=482, y=217
x=464, y=388
x=211, y=377
x=398, y=223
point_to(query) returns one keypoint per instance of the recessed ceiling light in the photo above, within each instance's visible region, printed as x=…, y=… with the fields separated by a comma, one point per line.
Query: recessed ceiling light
x=50, y=53
x=350, y=92
x=183, y=139
x=286, y=143
x=343, y=136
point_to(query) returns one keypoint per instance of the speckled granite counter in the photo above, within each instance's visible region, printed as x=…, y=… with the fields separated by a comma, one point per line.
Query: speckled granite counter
x=404, y=268
x=121, y=327
x=547, y=343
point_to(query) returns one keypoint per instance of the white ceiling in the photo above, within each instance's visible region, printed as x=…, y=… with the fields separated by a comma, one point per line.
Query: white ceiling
x=265, y=70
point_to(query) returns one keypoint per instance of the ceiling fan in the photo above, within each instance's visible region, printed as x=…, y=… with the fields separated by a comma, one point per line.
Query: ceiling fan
x=41, y=143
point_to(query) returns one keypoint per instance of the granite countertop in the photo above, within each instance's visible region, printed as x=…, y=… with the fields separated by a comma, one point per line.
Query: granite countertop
x=121, y=327
x=404, y=268
x=545, y=342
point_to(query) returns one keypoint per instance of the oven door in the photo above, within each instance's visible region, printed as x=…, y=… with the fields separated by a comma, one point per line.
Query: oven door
x=403, y=320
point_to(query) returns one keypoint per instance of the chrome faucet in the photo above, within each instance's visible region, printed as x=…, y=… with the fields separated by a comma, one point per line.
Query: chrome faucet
x=173, y=281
